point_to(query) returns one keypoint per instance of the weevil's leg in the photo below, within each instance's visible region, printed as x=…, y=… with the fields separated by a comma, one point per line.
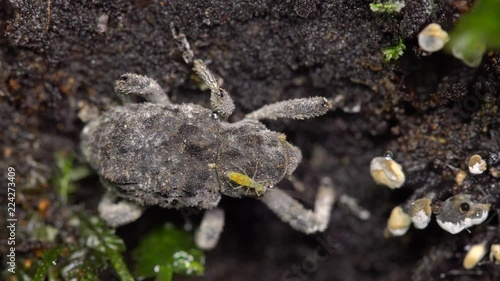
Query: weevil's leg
x=207, y=236
x=182, y=44
x=131, y=85
x=292, y=212
x=119, y=213
x=221, y=101
x=304, y=108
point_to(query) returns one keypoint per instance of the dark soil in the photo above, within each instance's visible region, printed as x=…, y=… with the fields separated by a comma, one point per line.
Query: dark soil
x=432, y=112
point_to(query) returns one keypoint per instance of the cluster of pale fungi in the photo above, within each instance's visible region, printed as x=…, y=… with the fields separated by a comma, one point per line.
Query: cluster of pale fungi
x=432, y=38
x=455, y=213
x=477, y=252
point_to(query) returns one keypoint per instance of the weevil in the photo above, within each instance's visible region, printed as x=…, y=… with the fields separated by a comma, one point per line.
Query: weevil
x=157, y=153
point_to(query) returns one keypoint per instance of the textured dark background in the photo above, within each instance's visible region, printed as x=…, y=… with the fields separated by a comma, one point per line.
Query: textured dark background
x=433, y=112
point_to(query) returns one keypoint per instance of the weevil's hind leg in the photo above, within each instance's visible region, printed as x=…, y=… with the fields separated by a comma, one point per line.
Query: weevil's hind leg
x=118, y=213
x=130, y=86
x=207, y=235
x=221, y=101
x=292, y=212
x=304, y=108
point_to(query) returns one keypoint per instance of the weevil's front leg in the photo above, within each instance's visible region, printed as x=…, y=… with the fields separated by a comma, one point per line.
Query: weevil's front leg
x=207, y=235
x=292, y=212
x=119, y=213
x=221, y=101
x=304, y=108
x=182, y=44
x=131, y=85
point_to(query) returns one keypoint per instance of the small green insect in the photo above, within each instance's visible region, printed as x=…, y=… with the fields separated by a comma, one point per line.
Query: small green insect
x=243, y=180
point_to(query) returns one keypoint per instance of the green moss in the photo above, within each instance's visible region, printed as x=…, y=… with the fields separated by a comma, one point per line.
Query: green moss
x=394, y=52
x=67, y=174
x=166, y=251
x=92, y=248
x=96, y=248
x=387, y=7
x=98, y=237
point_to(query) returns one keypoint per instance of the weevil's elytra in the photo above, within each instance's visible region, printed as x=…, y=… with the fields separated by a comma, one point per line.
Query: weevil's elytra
x=157, y=153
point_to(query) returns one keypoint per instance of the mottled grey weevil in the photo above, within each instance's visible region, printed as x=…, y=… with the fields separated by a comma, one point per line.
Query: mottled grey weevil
x=157, y=153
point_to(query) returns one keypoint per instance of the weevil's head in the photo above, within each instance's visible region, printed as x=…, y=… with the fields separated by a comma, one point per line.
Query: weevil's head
x=252, y=159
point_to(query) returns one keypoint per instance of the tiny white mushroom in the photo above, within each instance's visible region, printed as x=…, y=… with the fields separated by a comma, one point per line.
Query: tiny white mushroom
x=495, y=172
x=477, y=165
x=399, y=222
x=386, y=171
x=460, y=212
x=420, y=212
x=495, y=253
x=474, y=255
x=102, y=23
x=460, y=177
x=432, y=38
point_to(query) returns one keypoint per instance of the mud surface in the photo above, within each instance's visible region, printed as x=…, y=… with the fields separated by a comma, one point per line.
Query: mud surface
x=59, y=58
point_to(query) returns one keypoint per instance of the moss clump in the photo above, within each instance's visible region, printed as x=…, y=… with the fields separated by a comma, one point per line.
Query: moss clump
x=394, y=52
x=166, y=251
x=387, y=7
